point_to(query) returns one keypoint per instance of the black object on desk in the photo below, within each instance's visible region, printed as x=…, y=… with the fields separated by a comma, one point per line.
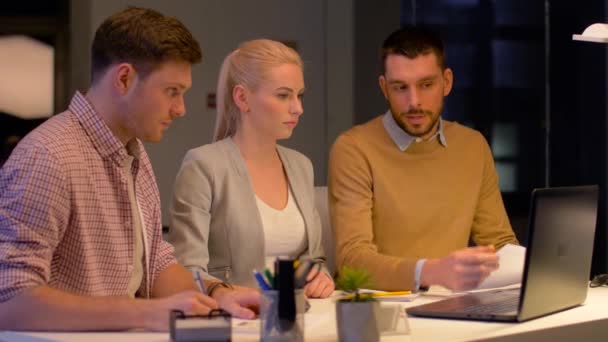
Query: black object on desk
x=284, y=280
x=216, y=326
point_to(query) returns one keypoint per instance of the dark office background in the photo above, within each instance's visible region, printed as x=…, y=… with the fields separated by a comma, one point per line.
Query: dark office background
x=537, y=96
x=46, y=22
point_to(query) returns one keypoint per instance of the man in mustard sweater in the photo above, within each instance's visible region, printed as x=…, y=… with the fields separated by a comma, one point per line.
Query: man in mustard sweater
x=408, y=189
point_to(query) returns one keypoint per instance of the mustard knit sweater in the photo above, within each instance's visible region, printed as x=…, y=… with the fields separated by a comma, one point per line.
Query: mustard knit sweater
x=390, y=208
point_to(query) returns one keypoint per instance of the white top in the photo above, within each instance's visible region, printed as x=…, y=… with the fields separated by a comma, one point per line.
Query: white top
x=138, y=251
x=284, y=230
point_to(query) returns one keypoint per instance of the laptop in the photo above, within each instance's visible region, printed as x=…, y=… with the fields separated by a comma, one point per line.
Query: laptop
x=556, y=269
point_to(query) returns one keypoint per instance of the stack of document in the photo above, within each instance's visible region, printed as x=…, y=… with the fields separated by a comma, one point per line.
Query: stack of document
x=508, y=275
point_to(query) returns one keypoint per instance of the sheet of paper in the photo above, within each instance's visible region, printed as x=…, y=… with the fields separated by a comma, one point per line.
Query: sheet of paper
x=244, y=326
x=21, y=337
x=508, y=275
x=319, y=320
x=438, y=291
x=511, y=267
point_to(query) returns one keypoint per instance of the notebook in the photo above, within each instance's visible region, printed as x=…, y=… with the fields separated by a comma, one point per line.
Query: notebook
x=557, y=265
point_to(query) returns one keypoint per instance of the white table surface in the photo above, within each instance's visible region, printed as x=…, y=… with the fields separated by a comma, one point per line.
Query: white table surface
x=587, y=321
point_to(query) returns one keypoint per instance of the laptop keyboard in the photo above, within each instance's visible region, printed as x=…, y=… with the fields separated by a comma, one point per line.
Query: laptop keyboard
x=502, y=306
x=494, y=302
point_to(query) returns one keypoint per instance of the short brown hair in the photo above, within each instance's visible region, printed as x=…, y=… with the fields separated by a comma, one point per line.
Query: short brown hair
x=412, y=41
x=144, y=38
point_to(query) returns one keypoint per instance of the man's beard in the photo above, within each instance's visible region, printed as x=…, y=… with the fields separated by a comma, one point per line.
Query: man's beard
x=427, y=113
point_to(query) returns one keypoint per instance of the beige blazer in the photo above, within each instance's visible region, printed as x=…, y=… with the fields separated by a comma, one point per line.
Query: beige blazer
x=215, y=225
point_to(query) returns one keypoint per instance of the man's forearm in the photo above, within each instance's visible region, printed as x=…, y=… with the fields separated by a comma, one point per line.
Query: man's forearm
x=388, y=273
x=172, y=280
x=45, y=308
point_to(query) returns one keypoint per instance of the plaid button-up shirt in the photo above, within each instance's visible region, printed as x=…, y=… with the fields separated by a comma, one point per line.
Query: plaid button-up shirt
x=65, y=216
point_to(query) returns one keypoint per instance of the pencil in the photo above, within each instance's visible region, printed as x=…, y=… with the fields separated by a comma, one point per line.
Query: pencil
x=395, y=293
x=380, y=294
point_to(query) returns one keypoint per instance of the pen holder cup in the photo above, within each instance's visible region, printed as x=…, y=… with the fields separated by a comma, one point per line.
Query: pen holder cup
x=271, y=328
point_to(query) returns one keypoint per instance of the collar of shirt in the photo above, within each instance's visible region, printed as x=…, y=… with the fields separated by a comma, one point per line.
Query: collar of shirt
x=401, y=138
x=104, y=141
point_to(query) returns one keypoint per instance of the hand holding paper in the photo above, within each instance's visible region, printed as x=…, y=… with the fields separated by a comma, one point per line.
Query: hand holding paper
x=510, y=269
x=461, y=270
x=509, y=272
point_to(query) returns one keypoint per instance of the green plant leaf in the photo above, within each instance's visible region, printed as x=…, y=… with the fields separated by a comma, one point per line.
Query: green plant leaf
x=352, y=280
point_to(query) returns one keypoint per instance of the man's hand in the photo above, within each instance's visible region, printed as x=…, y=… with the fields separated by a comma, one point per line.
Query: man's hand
x=190, y=302
x=462, y=270
x=240, y=302
x=321, y=286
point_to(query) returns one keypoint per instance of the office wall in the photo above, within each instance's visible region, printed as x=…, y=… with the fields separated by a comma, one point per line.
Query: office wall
x=322, y=30
x=374, y=21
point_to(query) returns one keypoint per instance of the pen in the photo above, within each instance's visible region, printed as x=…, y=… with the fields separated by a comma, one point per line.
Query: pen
x=260, y=280
x=302, y=271
x=200, y=283
x=269, y=277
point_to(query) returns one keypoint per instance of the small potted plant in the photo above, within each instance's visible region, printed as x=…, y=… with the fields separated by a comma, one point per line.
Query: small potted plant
x=356, y=312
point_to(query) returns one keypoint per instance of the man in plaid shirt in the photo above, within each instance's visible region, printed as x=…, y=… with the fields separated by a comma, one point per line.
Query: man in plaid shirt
x=81, y=246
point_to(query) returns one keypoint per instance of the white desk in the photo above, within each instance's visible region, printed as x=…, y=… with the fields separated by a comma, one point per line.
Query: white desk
x=584, y=323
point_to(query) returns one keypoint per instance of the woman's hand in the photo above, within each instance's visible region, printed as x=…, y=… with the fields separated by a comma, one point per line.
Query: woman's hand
x=322, y=286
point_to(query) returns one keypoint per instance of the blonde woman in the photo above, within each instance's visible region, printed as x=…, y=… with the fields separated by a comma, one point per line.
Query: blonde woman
x=243, y=200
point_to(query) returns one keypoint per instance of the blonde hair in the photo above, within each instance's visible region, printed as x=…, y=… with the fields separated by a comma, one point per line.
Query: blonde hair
x=248, y=65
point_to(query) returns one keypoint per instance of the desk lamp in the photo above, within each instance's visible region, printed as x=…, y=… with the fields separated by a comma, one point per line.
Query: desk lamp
x=595, y=33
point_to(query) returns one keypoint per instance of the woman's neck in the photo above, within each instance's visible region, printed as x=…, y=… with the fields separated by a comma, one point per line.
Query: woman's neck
x=256, y=148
